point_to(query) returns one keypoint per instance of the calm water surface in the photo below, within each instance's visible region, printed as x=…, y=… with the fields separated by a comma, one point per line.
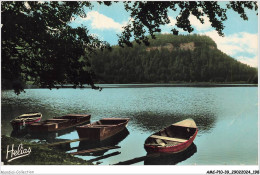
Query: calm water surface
x=227, y=119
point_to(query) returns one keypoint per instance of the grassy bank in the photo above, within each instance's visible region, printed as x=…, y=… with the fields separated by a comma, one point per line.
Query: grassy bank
x=39, y=155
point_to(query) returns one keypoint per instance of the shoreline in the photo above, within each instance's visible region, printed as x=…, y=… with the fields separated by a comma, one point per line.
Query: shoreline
x=101, y=85
x=144, y=85
x=175, y=85
x=35, y=154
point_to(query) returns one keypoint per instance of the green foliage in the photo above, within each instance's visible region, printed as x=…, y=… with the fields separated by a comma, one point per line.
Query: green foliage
x=149, y=16
x=38, y=45
x=156, y=63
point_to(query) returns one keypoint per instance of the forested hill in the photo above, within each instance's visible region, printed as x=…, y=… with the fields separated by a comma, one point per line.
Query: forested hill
x=169, y=58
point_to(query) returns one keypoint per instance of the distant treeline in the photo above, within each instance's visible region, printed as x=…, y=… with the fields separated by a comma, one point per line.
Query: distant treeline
x=169, y=58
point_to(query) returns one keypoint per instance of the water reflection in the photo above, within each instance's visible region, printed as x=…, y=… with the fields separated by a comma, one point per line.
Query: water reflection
x=48, y=137
x=19, y=133
x=171, y=159
x=146, y=120
x=227, y=115
x=112, y=141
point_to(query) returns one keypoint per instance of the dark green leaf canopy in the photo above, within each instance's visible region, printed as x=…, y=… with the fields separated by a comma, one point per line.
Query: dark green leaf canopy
x=39, y=46
x=149, y=16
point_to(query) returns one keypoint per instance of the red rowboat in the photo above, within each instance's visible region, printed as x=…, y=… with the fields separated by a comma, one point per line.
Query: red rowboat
x=59, y=123
x=24, y=120
x=175, y=138
x=102, y=129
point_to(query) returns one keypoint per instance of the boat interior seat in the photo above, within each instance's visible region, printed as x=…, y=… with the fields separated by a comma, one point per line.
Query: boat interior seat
x=30, y=119
x=70, y=117
x=54, y=119
x=50, y=124
x=36, y=123
x=168, y=138
x=57, y=120
x=19, y=119
x=106, y=125
x=27, y=117
x=99, y=126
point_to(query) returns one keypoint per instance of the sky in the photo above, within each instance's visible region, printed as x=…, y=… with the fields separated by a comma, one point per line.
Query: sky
x=240, y=40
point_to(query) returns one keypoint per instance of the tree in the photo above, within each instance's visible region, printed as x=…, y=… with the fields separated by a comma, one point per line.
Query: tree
x=149, y=16
x=39, y=45
x=159, y=64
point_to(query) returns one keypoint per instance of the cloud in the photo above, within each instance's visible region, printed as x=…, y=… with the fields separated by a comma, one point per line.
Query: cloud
x=102, y=22
x=170, y=26
x=198, y=25
x=253, y=62
x=238, y=44
x=172, y=21
x=194, y=22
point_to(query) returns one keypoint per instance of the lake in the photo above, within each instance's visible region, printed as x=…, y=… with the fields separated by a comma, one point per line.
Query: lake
x=227, y=119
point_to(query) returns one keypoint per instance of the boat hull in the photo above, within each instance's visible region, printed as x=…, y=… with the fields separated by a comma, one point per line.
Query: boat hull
x=173, y=139
x=173, y=149
x=98, y=133
x=170, y=158
x=21, y=125
x=59, y=123
x=22, y=121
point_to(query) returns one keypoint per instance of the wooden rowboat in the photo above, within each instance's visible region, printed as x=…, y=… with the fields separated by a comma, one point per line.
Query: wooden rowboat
x=59, y=123
x=175, y=138
x=102, y=129
x=24, y=120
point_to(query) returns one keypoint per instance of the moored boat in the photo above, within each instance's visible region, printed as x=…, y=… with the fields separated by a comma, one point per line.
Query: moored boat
x=102, y=129
x=60, y=123
x=174, y=138
x=26, y=119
